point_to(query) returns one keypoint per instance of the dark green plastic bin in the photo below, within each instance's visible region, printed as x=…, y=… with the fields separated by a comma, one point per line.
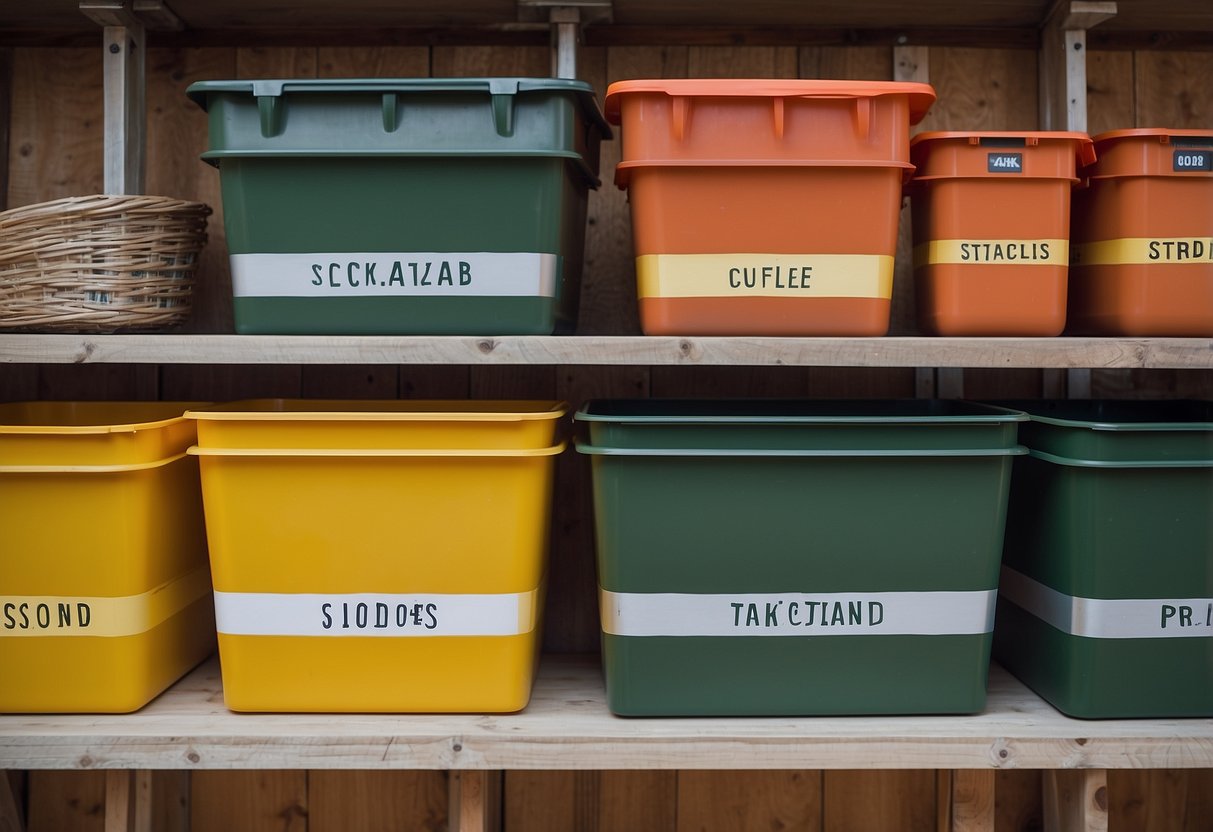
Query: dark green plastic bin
x=1106, y=598
x=724, y=529
x=404, y=206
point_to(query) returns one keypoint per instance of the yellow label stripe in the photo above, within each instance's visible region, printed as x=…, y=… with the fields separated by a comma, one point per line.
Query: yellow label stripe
x=129, y=615
x=1144, y=251
x=764, y=275
x=992, y=253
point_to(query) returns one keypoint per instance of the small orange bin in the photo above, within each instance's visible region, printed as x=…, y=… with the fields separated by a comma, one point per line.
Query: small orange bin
x=1142, y=262
x=765, y=207
x=991, y=215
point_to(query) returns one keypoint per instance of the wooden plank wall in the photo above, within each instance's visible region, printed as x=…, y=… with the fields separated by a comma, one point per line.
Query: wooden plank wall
x=54, y=149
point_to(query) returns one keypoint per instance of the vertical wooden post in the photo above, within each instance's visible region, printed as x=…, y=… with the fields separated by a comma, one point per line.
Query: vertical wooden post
x=128, y=801
x=566, y=30
x=913, y=63
x=474, y=801
x=124, y=68
x=1076, y=800
x=1063, y=106
x=965, y=800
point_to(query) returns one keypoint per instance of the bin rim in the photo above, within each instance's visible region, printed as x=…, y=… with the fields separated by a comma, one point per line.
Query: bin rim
x=115, y=468
x=1151, y=132
x=623, y=170
x=380, y=410
x=199, y=91
x=980, y=413
x=1115, y=425
x=1084, y=151
x=1073, y=462
x=921, y=96
x=378, y=453
x=824, y=453
x=124, y=426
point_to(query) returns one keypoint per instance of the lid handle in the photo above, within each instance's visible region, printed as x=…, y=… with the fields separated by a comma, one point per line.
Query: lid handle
x=681, y=116
x=863, y=117
x=270, y=109
x=391, y=112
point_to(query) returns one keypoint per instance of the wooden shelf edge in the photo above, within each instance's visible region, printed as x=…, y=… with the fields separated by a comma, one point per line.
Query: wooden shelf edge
x=567, y=726
x=897, y=351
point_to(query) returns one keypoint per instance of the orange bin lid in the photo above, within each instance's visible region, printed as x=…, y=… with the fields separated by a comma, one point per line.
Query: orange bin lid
x=1052, y=154
x=920, y=96
x=1149, y=151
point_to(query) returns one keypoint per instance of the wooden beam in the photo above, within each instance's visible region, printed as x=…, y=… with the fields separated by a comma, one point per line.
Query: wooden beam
x=156, y=14
x=965, y=800
x=475, y=801
x=124, y=68
x=1075, y=800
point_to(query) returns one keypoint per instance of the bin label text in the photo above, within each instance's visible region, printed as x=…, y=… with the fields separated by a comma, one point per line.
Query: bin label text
x=1143, y=251
x=797, y=613
x=992, y=253
x=1004, y=163
x=1195, y=160
x=129, y=615
x=374, y=614
x=1109, y=617
x=765, y=275
x=394, y=274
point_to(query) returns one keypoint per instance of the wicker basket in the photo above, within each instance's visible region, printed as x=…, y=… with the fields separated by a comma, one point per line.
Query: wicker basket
x=99, y=263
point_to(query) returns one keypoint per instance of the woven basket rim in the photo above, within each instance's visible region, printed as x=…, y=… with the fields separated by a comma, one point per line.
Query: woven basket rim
x=102, y=204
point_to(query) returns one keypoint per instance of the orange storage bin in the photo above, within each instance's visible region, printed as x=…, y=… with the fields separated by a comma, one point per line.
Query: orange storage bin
x=991, y=214
x=1142, y=261
x=765, y=207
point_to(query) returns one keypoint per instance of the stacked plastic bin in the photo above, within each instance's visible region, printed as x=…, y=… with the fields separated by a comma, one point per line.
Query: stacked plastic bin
x=105, y=594
x=378, y=556
x=768, y=557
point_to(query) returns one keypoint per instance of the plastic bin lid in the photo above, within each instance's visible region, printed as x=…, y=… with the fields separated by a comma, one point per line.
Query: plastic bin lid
x=200, y=91
x=1119, y=414
x=1084, y=146
x=921, y=96
x=379, y=410
x=792, y=412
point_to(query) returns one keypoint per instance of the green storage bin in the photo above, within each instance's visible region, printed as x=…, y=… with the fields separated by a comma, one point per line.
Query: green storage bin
x=725, y=530
x=1106, y=597
x=404, y=206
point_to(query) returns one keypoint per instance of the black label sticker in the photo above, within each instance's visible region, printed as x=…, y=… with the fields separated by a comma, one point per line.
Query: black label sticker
x=1005, y=163
x=1193, y=160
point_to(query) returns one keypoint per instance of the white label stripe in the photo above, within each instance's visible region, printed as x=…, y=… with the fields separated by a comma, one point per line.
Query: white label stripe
x=394, y=274
x=374, y=614
x=1112, y=618
x=797, y=613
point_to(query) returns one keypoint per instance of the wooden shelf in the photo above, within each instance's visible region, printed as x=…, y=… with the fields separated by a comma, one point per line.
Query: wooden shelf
x=567, y=726
x=1097, y=353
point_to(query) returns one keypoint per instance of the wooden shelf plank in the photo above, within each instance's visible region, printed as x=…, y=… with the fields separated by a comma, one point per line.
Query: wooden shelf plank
x=1098, y=353
x=567, y=726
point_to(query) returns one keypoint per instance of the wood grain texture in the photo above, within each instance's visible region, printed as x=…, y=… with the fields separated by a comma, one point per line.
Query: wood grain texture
x=856, y=801
x=1170, y=89
x=1075, y=801
x=1110, y=91
x=66, y=801
x=376, y=801
x=1017, y=801
x=262, y=351
x=965, y=800
x=114, y=382
x=177, y=136
x=237, y=801
x=55, y=133
x=567, y=726
x=475, y=801
x=739, y=801
x=982, y=89
x=171, y=801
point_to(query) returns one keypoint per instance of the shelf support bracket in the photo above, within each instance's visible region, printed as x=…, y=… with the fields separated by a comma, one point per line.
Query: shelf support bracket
x=566, y=18
x=1063, y=106
x=123, y=43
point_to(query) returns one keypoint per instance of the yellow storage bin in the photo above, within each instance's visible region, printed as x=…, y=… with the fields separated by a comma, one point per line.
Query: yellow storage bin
x=105, y=595
x=388, y=579
x=304, y=423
